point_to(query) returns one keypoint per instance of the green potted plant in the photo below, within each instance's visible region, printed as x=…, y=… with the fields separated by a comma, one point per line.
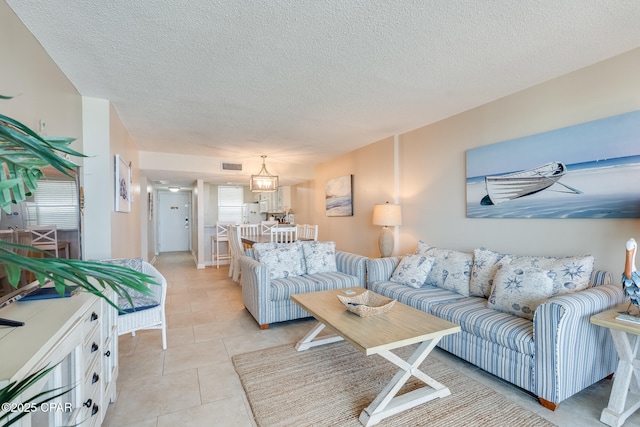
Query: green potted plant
x=23, y=155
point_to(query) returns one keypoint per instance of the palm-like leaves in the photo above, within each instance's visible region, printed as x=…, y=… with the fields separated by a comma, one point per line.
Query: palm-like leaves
x=23, y=154
x=13, y=391
x=93, y=277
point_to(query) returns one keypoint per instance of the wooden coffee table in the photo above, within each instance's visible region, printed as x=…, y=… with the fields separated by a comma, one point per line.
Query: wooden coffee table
x=379, y=334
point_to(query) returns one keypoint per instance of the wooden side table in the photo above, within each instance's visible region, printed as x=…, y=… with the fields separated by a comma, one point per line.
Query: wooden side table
x=626, y=381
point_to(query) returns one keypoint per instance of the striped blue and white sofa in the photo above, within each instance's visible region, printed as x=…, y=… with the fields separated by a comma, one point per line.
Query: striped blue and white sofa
x=267, y=298
x=553, y=356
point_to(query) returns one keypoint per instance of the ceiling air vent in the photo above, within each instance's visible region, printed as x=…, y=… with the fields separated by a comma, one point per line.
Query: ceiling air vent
x=233, y=167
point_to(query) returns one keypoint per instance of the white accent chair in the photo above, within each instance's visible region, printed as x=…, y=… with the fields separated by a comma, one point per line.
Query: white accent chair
x=284, y=234
x=148, y=311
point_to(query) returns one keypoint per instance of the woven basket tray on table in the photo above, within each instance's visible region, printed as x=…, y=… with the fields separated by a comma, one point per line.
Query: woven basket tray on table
x=367, y=304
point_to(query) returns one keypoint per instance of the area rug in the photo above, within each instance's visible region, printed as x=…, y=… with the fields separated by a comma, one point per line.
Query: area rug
x=330, y=385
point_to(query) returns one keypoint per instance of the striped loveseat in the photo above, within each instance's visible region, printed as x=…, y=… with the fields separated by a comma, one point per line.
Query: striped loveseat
x=555, y=355
x=267, y=298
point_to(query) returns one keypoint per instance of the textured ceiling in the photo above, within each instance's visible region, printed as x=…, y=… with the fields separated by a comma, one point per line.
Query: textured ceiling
x=305, y=81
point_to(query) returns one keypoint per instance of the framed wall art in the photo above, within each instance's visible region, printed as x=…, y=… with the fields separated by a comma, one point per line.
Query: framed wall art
x=339, y=196
x=122, y=185
x=150, y=205
x=589, y=170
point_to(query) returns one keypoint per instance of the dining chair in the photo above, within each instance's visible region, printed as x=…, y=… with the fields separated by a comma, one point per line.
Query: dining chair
x=284, y=234
x=300, y=231
x=236, y=249
x=249, y=229
x=310, y=232
x=222, y=235
x=46, y=238
x=266, y=226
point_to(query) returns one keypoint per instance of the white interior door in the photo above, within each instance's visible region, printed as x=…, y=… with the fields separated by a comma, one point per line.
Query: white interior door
x=174, y=221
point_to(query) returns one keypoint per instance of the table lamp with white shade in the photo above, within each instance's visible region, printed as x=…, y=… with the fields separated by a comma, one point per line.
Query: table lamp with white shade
x=387, y=215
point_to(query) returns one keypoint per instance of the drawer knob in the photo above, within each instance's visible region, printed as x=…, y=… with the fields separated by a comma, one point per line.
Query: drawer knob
x=94, y=316
x=94, y=347
x=108, y=353
x=95, y=378
x=94, y=410
x=88, y=403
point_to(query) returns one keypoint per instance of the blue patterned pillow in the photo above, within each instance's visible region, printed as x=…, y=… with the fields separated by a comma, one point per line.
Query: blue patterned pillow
x=319, y=257
x=485, y=265
x=259, y=248
x=519, y=291
x=134, y=264
x=451, y=269
x=413, y=270
x=283, y=260
x=569, y=274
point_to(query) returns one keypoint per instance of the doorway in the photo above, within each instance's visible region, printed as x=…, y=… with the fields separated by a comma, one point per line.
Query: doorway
x=174, y=221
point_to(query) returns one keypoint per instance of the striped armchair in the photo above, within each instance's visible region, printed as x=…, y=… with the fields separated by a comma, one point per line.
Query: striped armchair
x=268, y=299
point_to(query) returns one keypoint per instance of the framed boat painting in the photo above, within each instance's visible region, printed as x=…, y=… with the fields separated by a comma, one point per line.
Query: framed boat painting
x=589, y=170
x=339, y=196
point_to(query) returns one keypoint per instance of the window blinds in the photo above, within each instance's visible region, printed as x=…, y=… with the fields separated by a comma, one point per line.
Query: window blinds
x=230, y=199
x=54, y=203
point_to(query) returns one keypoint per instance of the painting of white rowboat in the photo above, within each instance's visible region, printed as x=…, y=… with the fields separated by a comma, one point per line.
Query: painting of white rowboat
x=587, y=170
x=510, y=186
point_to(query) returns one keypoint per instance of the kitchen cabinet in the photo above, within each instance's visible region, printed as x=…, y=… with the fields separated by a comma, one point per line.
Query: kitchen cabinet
x=285, y=198
x=276, y=202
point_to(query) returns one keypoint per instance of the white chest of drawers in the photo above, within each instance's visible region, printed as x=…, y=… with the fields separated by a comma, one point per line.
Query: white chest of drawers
x=79, y=336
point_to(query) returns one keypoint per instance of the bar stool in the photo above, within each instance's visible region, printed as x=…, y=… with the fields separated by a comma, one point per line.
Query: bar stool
x=222, y=235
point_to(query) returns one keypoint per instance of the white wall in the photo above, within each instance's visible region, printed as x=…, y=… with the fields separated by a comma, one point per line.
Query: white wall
x=433, y=167
x=44, y=93
x=126, y=228
x=432, y=174
x=41, y=91
x=98, y=182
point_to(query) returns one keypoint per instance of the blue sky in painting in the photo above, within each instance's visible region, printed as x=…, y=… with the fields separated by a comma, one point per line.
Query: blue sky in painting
x=611, y=137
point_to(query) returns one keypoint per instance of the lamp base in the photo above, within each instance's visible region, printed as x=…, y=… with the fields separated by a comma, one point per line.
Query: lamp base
x=385, y=242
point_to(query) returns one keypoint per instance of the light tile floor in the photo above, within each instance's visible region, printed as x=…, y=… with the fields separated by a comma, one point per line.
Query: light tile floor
x=193, y=382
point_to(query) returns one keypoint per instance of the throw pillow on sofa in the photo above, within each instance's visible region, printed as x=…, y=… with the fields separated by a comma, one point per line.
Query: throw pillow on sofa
x=282, y=259
x=519, y=291
x=569, y=274
x=451, y=269
x=413, y=270
x=259, y=248
x=485, y=265
x=319, y=257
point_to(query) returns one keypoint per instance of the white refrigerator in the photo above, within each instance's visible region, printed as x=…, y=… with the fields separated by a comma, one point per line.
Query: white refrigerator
x=251, y=213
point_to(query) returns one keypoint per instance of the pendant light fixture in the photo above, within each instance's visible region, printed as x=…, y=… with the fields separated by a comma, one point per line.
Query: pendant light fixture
x=263, y=182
